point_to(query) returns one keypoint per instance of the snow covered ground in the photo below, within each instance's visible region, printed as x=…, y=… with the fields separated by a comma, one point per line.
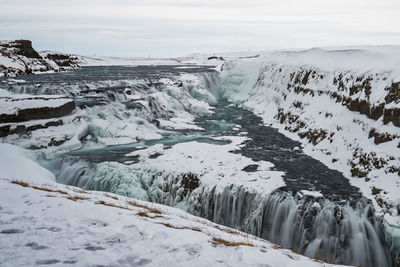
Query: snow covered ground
x=44, y=223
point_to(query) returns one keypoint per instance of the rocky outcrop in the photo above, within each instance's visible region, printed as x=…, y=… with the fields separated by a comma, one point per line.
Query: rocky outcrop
x=62, y=60
x=7, y=129
x=18, y=57
x=34, y=108
x=20, y=114
x=22, y=48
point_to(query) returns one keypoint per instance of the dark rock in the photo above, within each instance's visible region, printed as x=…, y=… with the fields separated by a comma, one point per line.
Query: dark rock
x=38, y=113
x=215, y=57
x=11, y=231
x=47, y=262
x=63, y=60
x=250, y=168
x=24, y=48
x=190, y=182
x=22, y=129
x=377, y=111
x=357, y=172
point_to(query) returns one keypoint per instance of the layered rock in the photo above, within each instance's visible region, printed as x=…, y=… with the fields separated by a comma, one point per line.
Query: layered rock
x=22, y=114
x=18, y=57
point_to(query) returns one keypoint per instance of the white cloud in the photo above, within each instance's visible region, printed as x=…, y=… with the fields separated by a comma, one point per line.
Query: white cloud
x=176, y=27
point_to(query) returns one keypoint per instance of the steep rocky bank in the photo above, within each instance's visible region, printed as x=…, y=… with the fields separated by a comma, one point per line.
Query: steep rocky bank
x=18, y=57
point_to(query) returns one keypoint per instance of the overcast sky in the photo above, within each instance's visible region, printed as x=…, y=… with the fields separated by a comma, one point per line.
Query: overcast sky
x=162, y=28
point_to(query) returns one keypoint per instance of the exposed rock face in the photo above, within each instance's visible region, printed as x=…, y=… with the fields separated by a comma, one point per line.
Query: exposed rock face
x=20, y=114
x=38, y=113
x=355, y=93
x=23, y=48
x=62, y=60
x=19, y=58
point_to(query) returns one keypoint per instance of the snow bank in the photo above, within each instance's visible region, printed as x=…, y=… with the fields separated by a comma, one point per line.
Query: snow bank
x=15, y=164
x=89, y=228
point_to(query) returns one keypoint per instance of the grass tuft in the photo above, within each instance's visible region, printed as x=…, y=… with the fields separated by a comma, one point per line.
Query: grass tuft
x=219, y=241
x=181, y=227
x=138, y=205
x=102, y=202
x=143, y=214
x=75, y=198
x=20, y=183
x=49, y=190
x=111, y=196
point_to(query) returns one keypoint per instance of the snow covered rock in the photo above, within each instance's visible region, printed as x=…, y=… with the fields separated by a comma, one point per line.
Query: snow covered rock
x=25, y=113
x=18, y=57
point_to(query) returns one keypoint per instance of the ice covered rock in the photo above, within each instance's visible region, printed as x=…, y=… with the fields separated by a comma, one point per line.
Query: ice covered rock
x=19, y=108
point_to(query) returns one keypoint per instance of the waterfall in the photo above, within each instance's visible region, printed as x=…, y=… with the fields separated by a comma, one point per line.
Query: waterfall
x=71, y=171
x=333, y=232
x=325, y=230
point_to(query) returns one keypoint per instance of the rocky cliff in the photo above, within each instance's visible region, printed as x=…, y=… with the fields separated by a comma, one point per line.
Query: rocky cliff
x=344, y=105
x=18, y=57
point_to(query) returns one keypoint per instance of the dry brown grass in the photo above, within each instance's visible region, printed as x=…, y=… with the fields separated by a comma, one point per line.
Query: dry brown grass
x=110, y=196
x=181, y=227
x=49, y=190
x=277, y=246
x=80, y=191
x=20, y=183
x=230, y=231
x=143, y=214
x=138, y=205
x=38, y=188
x=102, y=202
x=76, y=198
x=219, y=241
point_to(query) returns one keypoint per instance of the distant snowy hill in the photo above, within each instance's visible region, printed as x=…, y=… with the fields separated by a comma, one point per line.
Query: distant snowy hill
x=18, y=58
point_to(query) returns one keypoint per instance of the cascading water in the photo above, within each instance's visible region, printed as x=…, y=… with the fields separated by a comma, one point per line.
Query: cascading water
x=71, y=171
x=325, y=230
x=316, y=227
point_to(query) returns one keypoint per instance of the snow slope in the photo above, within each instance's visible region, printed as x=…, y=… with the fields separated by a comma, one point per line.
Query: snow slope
x=63, y=225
